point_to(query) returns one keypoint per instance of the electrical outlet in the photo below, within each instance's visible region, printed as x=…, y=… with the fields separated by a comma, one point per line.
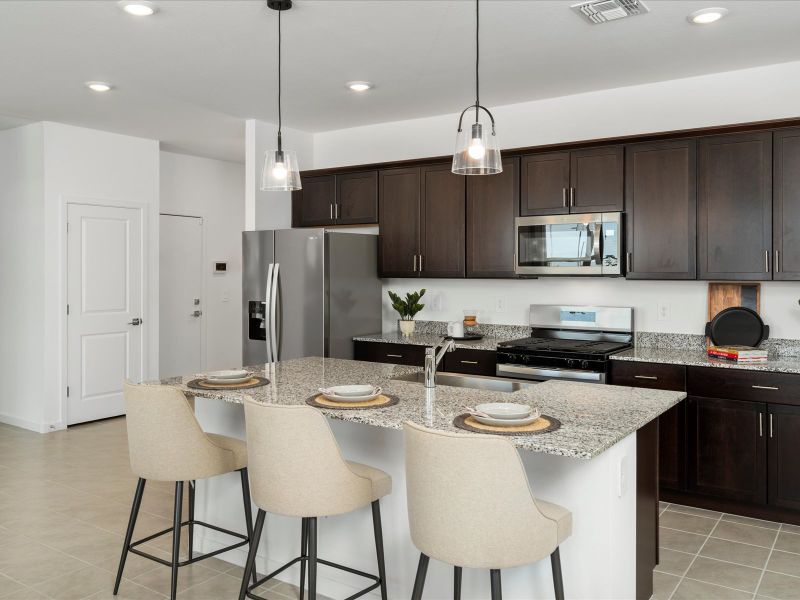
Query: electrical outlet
x=500, y=304
x=436, y=302
x=664, y=311
x=225, y=296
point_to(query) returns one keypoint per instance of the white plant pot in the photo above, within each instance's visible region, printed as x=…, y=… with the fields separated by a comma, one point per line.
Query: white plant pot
x=406, y=327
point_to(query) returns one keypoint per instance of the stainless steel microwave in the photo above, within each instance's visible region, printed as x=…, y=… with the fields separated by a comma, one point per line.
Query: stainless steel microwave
x=588, y=244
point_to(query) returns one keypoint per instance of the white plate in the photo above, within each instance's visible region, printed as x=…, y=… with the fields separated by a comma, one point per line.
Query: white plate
x=228, y=374
x=505, y=410
x=229, y=380
x=331, y=396
x=352, y=390
x=507, y=422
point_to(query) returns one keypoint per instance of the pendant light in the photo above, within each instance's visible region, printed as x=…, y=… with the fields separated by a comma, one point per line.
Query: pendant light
x=280, y=173
x=476, y=147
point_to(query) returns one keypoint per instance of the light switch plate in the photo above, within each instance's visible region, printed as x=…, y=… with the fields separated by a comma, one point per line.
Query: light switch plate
x=664, y=311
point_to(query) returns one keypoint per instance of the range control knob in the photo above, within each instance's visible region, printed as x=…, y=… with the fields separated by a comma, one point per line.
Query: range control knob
x=584, y=364
x=571, y=362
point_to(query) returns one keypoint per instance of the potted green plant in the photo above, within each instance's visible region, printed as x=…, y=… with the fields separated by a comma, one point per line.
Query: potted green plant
x=407, y=309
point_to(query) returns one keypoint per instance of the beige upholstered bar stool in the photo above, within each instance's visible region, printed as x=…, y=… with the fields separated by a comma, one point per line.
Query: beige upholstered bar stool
x=470, y=505
x=297, y=470
x=166, y=443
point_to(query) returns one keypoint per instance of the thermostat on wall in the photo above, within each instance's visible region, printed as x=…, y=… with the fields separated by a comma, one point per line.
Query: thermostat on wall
x=220, y=266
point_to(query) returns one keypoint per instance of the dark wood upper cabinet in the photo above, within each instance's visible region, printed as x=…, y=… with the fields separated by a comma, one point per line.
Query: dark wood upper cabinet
x=442, y=252
x=661, y=210
x=727, y=448
x=399, y=237
x=313, y=205
x=734, y=222
x=492, y=206
x=784, y=468
x=357, y=198
x=545, y=184
x=596, y=177
x=786, y=205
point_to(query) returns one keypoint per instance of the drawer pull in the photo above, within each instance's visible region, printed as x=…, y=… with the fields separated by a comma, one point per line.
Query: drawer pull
x=653, y=377
x=764, y=387
x=770, y=424
x=469, y=362
x=394, y=356
x=760, y=424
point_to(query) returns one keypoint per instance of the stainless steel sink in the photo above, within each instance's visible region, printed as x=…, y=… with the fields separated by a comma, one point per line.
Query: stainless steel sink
x=477, y=382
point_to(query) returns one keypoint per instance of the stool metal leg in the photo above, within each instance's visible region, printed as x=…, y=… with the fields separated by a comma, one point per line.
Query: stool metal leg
x=456, y=583
x=137, y=503
x=376, y=525
x=419, y=582
x=303, y=555
x=191, y=518
x=248, y=509
x=312, y=558
x=497, y=593
x=558, y=582
x=176, y=538
x=250, y=565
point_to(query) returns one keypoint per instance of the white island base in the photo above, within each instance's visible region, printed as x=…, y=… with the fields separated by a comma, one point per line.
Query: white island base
x=599, y=560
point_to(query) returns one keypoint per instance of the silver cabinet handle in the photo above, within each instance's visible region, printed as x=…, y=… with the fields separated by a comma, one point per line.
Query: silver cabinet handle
x=415, y=263
x=764, y=387
x=777, y=261
x=420, y=263
x=653, y=377
x=770, y=424
x=564, y=197
x=331, y=206
x=572, y=196
x=469, y=362
x=394, y=356
x=196, y=313
x=766, y=261
x=336, y=211
x=628, y=261
x=135, y=321
x=760, y=424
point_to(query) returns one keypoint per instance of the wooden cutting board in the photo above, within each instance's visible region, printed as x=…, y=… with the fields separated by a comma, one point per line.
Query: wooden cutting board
x=722, y=295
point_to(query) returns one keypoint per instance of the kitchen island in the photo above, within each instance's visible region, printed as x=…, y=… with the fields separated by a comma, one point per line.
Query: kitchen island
x=601, y=464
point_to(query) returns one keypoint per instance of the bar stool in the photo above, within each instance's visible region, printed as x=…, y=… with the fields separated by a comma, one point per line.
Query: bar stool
x=297, y=470
x=166, y=443
x=470, y=505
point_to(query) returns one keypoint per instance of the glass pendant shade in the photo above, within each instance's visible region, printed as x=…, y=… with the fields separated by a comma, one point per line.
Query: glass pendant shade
x=281, y=173
x=477, y=151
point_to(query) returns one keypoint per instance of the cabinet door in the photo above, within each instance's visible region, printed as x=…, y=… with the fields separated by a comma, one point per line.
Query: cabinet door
x=399, y=236
x=784, y=467
x=357, y=198
x=443, y=222
x=315, y=201
x=786, y=205
x=661, y=207
x=596, y=177
x=727, y=448
x=492, y=205
x=545, y=184
x=734, y=221
x=383, y=352
x=472, y=362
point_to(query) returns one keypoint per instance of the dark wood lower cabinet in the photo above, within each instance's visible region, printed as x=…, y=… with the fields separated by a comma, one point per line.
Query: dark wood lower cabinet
x=382, y=352
x=471, y=362
x=782, y=456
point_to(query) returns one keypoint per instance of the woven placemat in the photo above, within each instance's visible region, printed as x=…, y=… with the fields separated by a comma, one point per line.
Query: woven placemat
x=543, y=424
x=382, y=401
x=205, y=384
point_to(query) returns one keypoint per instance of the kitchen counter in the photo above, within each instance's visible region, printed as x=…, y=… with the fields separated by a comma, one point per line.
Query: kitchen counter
x=593, y=417
x=699, y=358
x=430, y=339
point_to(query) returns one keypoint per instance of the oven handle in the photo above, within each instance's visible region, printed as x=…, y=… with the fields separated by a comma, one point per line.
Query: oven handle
x=503, y=369
x=597, y=236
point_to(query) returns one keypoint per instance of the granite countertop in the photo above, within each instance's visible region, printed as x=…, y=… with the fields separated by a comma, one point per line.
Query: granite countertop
x=488, y=342
x=699, y=358
x=593, y=417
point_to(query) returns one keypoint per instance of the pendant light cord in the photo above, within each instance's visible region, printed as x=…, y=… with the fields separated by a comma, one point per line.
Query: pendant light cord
x=477, y=58
x=279, y=79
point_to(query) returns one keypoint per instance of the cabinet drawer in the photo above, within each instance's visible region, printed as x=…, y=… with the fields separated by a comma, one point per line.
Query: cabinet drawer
x=398, y=354
x=648, y=375
x=759, y=386
x=472, y=362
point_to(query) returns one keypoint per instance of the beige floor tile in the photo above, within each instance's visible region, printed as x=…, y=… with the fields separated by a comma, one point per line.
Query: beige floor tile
x=788, y=542
x=698, y=590
x=25, y=594
x=77, y=585
x=724, y=574
x=220, y=587
x=697, y=512
x=663, y=505
x=128, y=590
x=188, y=576
x=779, y=586
x=689, y=523
x=9, y=586
x=672, y=562
x=750, y=521
x=743, y=554
x=680, y=540
x=664, y=585
x=746, y=534
x=32, y=563
x=790, y=528
x=784, y=562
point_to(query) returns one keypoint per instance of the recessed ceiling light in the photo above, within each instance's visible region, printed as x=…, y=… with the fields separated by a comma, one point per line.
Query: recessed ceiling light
x=359, y=86
x=137, y=8
x=707, y=15
x=98, y=86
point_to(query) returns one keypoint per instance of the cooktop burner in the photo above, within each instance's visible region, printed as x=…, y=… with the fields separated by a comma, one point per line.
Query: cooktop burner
x=534, y=344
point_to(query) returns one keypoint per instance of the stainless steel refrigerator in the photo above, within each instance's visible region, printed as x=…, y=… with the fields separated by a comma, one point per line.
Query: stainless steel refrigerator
x=307, y=292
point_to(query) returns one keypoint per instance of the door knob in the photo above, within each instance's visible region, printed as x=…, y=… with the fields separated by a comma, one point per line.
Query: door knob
x=136, y=321
x=196, y=313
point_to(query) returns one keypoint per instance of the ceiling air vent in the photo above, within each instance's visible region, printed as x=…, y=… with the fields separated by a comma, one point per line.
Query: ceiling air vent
x=602, y=11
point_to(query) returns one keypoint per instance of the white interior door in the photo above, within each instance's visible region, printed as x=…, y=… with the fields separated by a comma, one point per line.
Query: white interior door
x=104, y=291
x=180, y=295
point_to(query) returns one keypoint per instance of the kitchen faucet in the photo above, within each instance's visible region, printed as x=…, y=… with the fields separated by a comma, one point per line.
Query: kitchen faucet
x=432, y=359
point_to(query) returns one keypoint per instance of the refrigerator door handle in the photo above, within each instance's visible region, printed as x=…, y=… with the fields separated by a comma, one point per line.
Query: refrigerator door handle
x=267, y=314
x=273, y=327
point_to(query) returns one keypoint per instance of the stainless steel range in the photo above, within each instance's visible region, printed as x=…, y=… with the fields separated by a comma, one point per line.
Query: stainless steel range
x=567, y=342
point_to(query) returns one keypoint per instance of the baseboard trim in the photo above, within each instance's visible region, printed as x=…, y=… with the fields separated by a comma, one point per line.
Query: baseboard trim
x=23, y=423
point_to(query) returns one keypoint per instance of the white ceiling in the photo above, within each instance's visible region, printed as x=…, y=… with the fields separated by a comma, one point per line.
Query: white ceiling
x=192, y=73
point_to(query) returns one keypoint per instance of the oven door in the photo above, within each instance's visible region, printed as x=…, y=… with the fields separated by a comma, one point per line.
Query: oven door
x=545, y=373
x=586, y=244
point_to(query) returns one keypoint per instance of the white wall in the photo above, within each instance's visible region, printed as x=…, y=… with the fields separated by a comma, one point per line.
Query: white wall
x=22, y=275
x=270, y=210
x=213, y=190
x=762, y=93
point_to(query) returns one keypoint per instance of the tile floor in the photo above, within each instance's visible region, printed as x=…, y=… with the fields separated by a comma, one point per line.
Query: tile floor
x=707, y=555
x=65, y=499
